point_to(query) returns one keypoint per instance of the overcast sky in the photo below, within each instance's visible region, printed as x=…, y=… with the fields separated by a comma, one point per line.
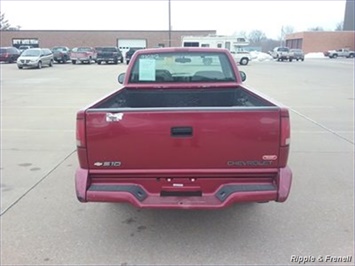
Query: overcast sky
x=226, y=17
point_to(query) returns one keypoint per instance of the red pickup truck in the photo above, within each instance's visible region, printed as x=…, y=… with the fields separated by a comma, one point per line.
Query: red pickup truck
x=83, y=55
x=183, y=134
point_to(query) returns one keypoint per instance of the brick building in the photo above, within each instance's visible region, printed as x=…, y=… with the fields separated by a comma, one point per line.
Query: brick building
x=73, y=38
x=320, y=41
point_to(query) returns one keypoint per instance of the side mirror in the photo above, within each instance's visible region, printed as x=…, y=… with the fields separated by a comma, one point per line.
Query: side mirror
x=243, y=75
x=121, y=78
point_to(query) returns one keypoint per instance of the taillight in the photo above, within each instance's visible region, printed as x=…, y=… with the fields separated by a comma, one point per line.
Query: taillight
x=80, y=130
x=285, y=138
x=285, y=131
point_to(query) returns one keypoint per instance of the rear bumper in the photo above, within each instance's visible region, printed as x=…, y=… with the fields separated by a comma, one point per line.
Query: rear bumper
x=184, y=193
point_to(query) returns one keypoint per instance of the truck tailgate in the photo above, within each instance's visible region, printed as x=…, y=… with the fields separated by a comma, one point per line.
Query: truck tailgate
x=184, y=139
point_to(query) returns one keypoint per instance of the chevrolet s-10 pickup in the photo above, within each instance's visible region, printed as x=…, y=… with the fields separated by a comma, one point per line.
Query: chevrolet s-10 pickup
x=183, y=134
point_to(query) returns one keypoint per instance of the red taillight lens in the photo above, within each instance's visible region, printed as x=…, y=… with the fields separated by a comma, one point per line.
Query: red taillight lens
x=80, y=131
x=285, y=131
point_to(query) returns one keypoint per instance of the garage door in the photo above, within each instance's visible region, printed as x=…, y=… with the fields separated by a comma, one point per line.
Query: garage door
x=125, y=44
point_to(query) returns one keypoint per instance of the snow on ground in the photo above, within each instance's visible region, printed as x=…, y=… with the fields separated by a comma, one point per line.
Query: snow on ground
x=314, y=55
x=260, y=56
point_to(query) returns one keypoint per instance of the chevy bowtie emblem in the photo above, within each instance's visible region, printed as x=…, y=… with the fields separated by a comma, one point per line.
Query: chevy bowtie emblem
x=107, y=164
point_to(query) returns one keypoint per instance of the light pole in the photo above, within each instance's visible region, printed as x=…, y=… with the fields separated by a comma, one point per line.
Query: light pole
x=169, y=24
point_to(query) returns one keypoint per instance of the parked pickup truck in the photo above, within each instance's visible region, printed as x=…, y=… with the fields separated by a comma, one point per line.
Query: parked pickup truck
x=241, y=57
x=183, y=134
x=108, y=54
x=83, y=55
x=344, y=52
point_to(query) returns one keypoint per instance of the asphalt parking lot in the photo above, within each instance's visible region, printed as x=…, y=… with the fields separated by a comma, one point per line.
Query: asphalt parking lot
x=42, y=222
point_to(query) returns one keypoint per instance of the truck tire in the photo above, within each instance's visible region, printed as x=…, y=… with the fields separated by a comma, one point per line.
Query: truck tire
x=73, y=62
x=351, y=55
x=99, y=62
x=334, y=56
x=244, y=61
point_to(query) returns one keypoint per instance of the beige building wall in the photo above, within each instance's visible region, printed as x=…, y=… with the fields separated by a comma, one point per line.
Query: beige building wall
x=96, y=38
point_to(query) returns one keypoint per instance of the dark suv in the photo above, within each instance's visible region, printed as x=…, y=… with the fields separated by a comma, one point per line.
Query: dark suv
x=130, y=52
x=9, y=54
x=108, y=54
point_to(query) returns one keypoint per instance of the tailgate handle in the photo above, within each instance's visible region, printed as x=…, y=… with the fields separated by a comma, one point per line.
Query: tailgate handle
x=181, y=131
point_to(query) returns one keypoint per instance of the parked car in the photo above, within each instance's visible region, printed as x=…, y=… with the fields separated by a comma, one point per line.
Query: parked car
x=61, y=54
x=9, y=54
x=24, y=47
x=343, y=52
x=35, y=58
x=108, y=54
x=130, y=52
x=83, y=55
x=297, y=54
x=281, y=54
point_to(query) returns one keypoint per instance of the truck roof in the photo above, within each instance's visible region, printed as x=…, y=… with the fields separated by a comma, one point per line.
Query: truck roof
x=182, y=49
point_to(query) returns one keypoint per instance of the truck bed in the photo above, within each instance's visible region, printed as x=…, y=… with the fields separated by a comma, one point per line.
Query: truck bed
x=170, y=98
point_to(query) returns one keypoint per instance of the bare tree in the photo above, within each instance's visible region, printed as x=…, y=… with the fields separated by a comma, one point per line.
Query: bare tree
x=339, y=26
x=5, y=25
x=318, y=28
x=256, y=37
x=288, y=29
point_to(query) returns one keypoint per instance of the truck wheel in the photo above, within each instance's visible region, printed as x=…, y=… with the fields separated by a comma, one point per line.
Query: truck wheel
x=73, y=62
x=335, y=55
x=39, y=66
x=99, y=62
x=244, y=61
x=351, y=55
x=89, y=62
x=291, y=59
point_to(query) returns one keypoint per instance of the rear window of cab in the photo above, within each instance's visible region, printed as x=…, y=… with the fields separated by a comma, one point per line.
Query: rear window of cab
x=182, y=67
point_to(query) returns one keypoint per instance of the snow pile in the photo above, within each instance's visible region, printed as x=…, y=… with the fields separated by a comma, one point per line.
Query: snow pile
x=314, y=55
x=260, y=56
